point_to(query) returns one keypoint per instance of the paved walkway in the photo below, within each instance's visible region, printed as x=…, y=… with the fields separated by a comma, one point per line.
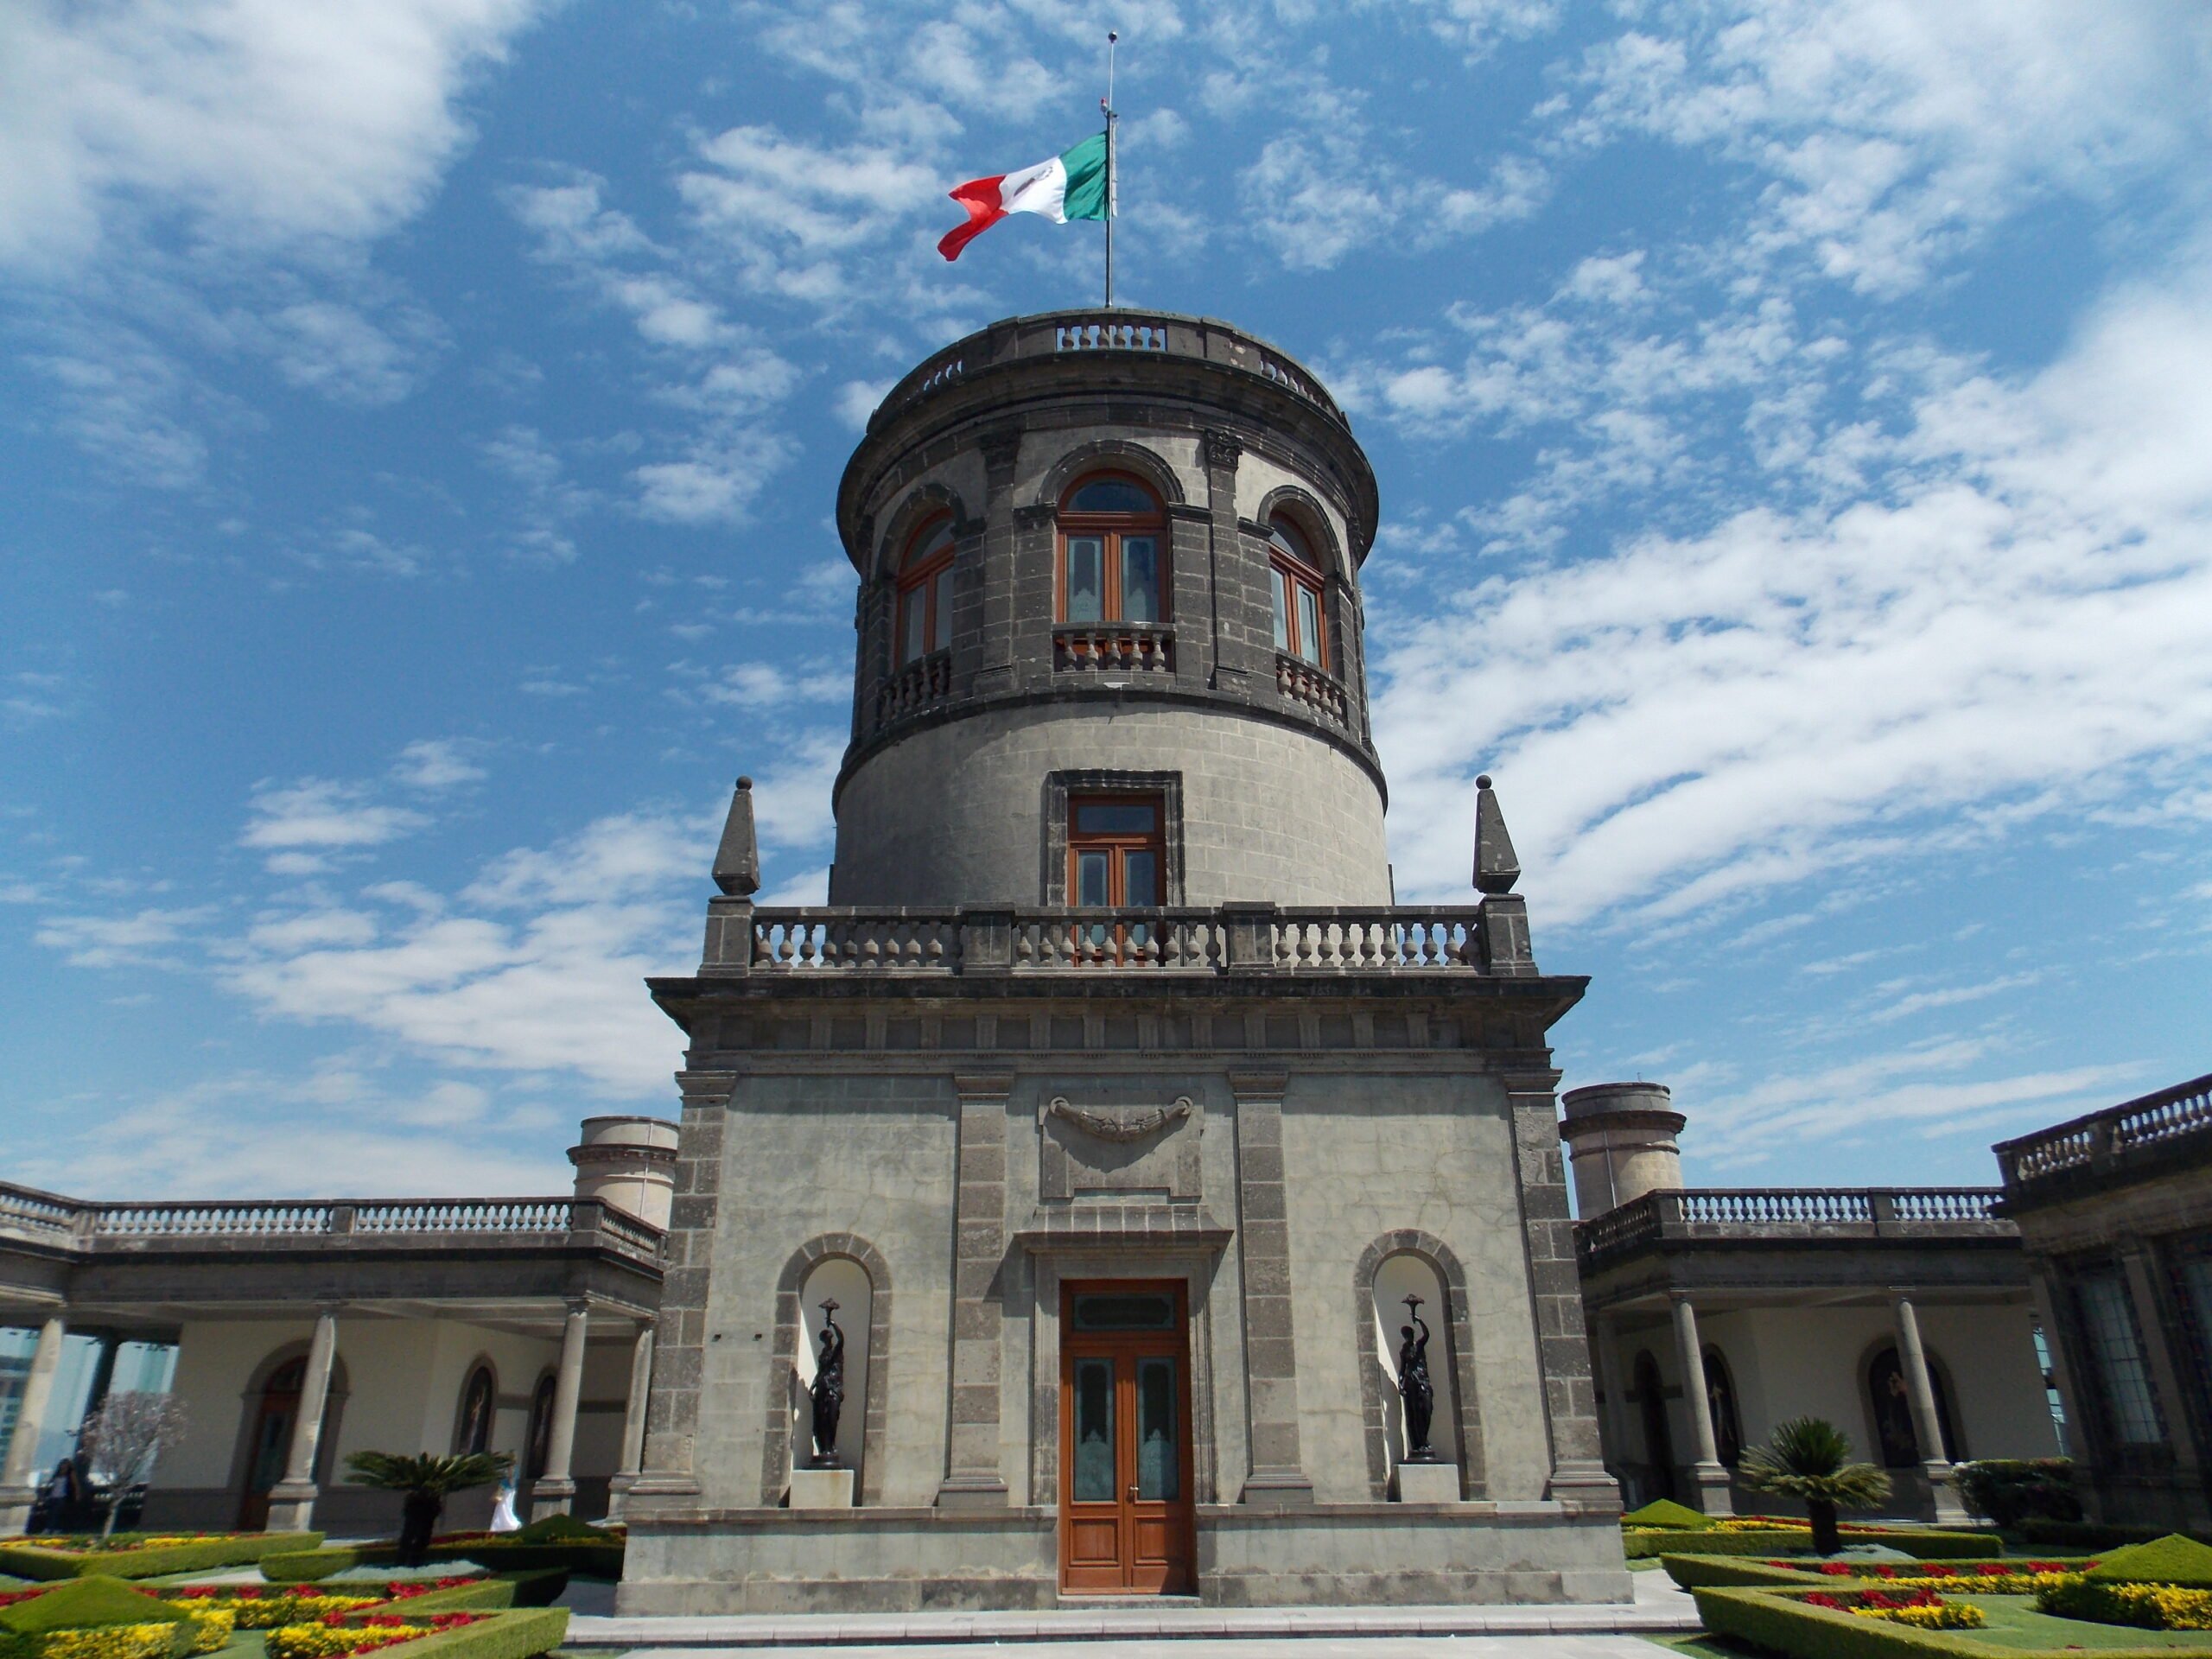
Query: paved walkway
x=1170, y=1631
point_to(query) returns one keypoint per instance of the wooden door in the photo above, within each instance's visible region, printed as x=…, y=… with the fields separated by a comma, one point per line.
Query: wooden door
x=1127, y=1521
x=270, y=1448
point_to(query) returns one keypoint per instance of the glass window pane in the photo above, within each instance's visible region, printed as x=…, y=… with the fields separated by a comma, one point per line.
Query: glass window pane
x=1131, y=1312
x=1091, y=878
x=1112, y=495
x=1281, y=590
x=1140, y=578
x=941, y=597
x=910, y=625
x=1159, y=1467
x=1140, y=877
x=1094, y=1432
x=1287, y=537
x=1086, y=581
x=1112, y=817
x=933, y=541
x=1309, y=625
x=2108, y=1326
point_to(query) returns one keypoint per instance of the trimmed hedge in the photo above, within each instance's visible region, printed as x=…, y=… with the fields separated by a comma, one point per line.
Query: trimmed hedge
x=1927, y=1545
x=601, y=1559
x=1716, y=1572
x=2171, y=1559
x=1783, y=1624
x=2088, y=1535
x=236, y=1549
x=518, y=1635
x=1664, y=1515
x=538, y=1589
x=1692, y=1570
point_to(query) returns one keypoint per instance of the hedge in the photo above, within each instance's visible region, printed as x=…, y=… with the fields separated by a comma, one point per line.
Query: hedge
x=600, y=1559
x=1695, y=1569
x=538, y=1589
x=234, y=1549
x=518, y=1634
x=2171, y=1559
x=2088, y=1535
x=1927, y=1545
x=1783, y=1624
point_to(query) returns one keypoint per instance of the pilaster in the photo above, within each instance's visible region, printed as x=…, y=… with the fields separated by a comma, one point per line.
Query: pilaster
x=1277, y=1475
x=680, y=1334
x=972, y=1476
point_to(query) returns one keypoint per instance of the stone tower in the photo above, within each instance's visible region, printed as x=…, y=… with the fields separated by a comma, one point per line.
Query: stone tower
x=1053, y=1207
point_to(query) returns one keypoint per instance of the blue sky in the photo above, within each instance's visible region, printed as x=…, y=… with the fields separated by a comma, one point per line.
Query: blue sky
x=1794, y=423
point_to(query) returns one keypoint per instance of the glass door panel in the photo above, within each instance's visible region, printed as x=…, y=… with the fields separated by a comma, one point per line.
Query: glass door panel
x=1159, y=1442
x=1094, y=1432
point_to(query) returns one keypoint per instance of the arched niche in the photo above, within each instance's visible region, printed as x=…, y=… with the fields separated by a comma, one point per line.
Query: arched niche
x=845, y=1281
x=788, y=1441
x=1397, y=1277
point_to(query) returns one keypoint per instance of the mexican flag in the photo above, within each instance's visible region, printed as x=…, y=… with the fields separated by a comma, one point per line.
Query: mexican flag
x=1070, y=186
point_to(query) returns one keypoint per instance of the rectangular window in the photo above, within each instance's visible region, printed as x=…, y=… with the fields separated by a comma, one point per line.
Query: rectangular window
x=941, y=608
x=1086, y=578
x=1301, y=617
x=1140, y=578
x=1309, y=626
x=2131, y=1409
x=913, y=618
x=1281, y=590
x=1115, y=860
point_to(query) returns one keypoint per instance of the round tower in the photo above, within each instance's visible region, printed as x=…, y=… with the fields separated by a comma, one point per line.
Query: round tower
x=1109, y=629
x=630, y=1163
x=1620, y=1138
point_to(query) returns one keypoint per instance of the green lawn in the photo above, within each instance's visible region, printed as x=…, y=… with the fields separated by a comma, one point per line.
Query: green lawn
x=2014, y=1622
x=244, y=1644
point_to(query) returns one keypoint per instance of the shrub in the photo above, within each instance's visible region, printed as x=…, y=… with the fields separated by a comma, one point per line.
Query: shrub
x=2171, y=1559
x=1809, y=1459
x=518, y=1635
x=87, y=1604
x=157, y=1641
x=1927, y=1545
x=145, y=1556
x=2010, y=1490
x=2148, y=1606
x=1667, y=1515
x=2090, y=1534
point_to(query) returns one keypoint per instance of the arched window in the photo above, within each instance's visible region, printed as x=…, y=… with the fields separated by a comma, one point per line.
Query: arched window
x=538, y=1449
x=1111, y=566
x=1892, y=1402
x=925, y=591
x=1720, y=1401
x=478, y=1398
x=1295, y=578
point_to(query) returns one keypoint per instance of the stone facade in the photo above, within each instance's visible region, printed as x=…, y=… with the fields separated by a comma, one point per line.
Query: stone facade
x=2115, y=1211
x=1263, y=1099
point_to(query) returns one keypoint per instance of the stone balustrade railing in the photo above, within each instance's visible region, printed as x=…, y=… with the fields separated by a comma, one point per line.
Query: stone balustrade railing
x=1062, y=332
x=1321, y=691
x=1114, y=647
x=914, y=685
x=2104, y=1140
x=1766, y=1214
x=44, y=1218
x=1489, y=938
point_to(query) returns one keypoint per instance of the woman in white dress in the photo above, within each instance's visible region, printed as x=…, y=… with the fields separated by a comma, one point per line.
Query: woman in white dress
x=503, y=1513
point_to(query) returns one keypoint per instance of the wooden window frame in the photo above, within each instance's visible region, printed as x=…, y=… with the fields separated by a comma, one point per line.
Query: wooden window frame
x=918, y=583
x=1110, y=528
x=1155, y=841
x=1298, y=574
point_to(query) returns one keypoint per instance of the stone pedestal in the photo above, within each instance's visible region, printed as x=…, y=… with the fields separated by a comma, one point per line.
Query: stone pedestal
x=1426, y=1483
x=821, y=1489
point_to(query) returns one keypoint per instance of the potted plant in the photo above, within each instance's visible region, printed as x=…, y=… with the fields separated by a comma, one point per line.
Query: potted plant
x=1810, y=1458
x=424, y=1483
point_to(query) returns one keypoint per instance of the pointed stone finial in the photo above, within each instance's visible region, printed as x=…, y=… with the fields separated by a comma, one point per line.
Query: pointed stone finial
x=737, y=861
x=1496, y=868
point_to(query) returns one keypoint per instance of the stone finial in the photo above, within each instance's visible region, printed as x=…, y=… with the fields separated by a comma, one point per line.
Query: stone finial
x=737, y=861
x=1497, y=868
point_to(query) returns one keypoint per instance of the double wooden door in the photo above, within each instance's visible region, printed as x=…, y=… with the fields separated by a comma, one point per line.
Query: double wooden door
x=1126, y=1523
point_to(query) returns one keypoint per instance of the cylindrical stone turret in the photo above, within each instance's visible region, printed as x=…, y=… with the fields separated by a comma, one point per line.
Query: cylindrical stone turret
x=1108, y=589
x=1620, y=1138
x=628, y=1162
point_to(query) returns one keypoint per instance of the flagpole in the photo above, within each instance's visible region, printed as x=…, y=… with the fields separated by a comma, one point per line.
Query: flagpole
x=1112, y=35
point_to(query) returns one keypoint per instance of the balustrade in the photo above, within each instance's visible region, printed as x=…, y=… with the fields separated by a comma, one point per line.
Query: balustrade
x=2098, y=1138
x=1304, y=683
x=24, y=1212
x=1113, y=336
x=917, y=685
x=1752, y=1213
x=1116, y=647
x=209, y=1220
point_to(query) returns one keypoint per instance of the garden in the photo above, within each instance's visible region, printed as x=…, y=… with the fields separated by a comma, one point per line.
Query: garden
x=1818, y=1589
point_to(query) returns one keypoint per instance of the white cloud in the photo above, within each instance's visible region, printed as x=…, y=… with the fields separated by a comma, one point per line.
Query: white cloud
x=2014, y=621
x=119, y=941
x=317, y=813
x=259, y=121
x=436, y=763
x=762, y=686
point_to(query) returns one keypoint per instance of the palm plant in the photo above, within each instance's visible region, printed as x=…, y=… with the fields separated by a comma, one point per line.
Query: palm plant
x=424, y=1483
x=1810, y=1458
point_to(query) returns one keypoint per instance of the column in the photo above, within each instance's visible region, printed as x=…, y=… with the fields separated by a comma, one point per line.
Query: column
x=1578, y=1478
x=1278, y=1475
x=972, y=1477
x=1708, y=1474
x=16, y=1492
x=291, y=1500
x=633, y=1419
x=555, y=1490
x=1926, y=1427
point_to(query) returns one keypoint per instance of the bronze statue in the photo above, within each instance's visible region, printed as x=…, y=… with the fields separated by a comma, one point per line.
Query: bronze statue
x=1414, y=1386
x=829, y=1390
